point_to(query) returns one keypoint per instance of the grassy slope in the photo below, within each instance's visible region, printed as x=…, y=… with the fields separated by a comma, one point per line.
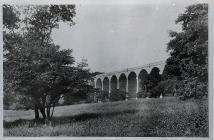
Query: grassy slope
x=144, y=117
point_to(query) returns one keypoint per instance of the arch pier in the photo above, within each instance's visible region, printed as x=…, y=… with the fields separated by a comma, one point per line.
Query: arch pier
x=126, y=80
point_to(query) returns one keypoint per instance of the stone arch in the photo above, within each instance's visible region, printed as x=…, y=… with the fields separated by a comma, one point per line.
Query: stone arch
x=143, y=75
x=132, y=84
x=113, y=83
x=106, y=84
x=122, y=82
x=99, y=83
x=154, y=70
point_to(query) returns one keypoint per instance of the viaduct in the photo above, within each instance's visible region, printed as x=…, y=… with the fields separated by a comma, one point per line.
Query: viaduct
x=126, y=80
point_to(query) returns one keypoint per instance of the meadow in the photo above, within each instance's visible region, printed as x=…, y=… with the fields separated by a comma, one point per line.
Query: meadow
x=152, y=117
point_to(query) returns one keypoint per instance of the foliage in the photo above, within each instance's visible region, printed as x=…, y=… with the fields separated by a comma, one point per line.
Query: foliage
x=10, y=17
x=102, y=96
x=96, y=73
x=154, y=79
x=169, y=87
x=157, y=91
x=34, y=66
x=8, y=96
x=149, y=83
x=171, y=69
x=192, y=88
x=144, y=76
x=144, y=94
x=10, y=22
x=117, y=95
x=188, y=49
x=84, y=95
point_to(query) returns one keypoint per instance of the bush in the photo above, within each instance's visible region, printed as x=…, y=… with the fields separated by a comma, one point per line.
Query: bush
x=92, y=97
x=192, y=88
x=169, y=87
x=103, y=96
x=97, y=95
x=158, y=90
x=74, y=98
x=118, y=95
x=142, y=94
x=185, y=89
x=155, y=92
x=166, y=88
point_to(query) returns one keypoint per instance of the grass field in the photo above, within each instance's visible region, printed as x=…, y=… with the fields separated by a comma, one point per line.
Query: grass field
x=144, y=117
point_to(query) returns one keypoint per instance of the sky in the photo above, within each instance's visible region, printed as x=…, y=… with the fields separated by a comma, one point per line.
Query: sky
x=118, y=36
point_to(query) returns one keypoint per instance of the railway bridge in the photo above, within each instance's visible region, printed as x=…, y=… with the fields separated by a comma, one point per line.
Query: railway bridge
x=127, y=80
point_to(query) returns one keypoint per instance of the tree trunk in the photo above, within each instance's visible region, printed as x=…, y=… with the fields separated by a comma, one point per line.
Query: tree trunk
x=36, y=110
x=48, y=113
x=52, y=111
x=42, y=110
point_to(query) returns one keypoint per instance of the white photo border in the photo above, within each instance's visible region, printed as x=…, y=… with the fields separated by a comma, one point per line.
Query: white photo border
x=45, y=2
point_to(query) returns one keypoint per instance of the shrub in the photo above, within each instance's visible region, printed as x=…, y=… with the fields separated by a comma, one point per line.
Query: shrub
x=142, y=94
x=192, y=88
x=166, y=88
x=169, y=87
x=74, y=98
x=118, y=95
x=103, y=96
x=155, y=92
x=97, y=95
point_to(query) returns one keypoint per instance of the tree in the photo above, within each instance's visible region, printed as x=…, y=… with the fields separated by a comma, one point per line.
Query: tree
x=153, y=80
x=10, y=17
x=10, y=22
x=36, y=68
x=188, y=49
x=144, y=76
x=150, y=81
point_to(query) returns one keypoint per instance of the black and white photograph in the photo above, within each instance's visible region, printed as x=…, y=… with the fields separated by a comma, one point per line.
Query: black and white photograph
x=120, y=69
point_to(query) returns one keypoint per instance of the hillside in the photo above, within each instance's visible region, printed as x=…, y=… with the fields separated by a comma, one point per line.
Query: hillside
x=143, y=117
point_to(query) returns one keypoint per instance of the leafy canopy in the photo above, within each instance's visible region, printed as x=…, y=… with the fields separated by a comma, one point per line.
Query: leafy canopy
x=188, y=50
x=34, y=67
